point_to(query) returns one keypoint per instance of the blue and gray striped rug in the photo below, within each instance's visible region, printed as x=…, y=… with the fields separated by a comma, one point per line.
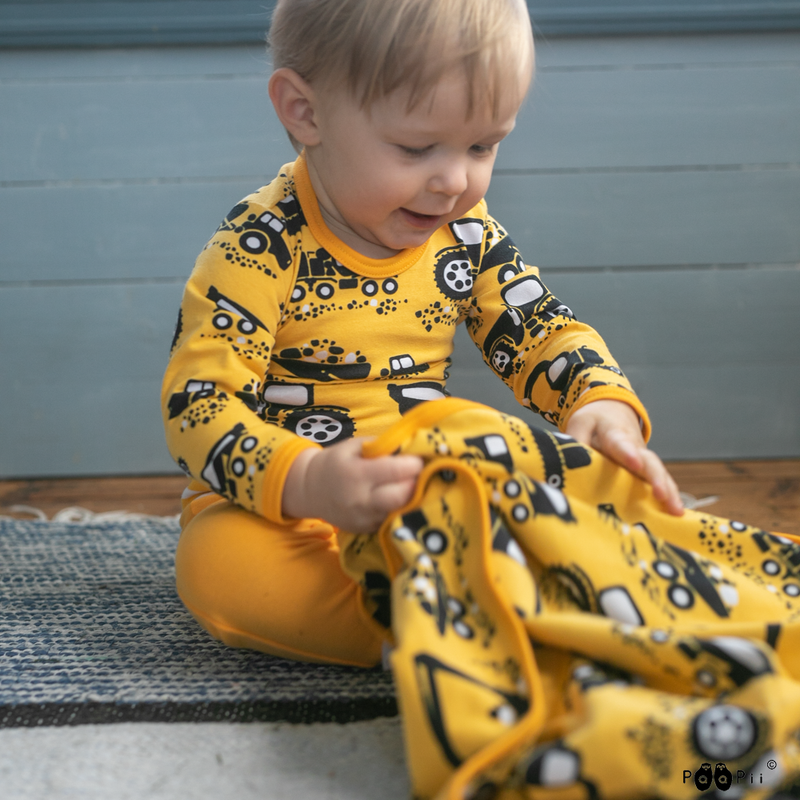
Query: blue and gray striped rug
x=92, y=631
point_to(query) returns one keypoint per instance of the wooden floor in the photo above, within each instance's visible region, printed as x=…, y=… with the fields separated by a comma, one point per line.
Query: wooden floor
x=763, y=493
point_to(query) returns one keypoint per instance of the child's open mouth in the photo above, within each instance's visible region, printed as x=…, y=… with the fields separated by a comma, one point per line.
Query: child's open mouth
x=421, y=220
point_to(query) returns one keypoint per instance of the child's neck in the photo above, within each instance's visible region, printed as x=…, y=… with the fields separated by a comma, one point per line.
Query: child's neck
x=338, y=226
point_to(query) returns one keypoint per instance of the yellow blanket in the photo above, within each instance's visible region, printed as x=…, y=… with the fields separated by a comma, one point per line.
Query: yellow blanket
x=557, y=635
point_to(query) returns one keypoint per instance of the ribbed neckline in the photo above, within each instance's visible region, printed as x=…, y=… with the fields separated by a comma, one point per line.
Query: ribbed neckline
x=370, y=267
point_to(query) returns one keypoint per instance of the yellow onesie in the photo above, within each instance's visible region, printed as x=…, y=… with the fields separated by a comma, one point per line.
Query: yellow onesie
x=288, y=339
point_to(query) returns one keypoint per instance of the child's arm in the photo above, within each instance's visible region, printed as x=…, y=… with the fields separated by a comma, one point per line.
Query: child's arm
x=613, y=428
x=351, y=492
x=214, y=415
x=558, y=366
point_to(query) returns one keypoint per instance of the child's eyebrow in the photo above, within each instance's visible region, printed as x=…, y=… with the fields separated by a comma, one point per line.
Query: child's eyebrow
x=435, y=132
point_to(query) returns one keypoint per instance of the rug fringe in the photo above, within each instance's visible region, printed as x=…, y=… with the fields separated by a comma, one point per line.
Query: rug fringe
x=78, y=515
x=692, y=502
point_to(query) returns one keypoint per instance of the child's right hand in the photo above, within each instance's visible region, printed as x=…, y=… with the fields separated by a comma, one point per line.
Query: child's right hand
x=342, y=487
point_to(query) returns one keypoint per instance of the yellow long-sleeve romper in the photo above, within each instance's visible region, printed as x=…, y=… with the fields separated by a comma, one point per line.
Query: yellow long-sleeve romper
x=289, y=339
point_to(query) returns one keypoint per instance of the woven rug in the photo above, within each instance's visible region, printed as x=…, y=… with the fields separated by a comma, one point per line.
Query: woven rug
x=92, y=631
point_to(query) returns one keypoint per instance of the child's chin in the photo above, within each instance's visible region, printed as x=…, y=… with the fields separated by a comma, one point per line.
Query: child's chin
x=416, y=239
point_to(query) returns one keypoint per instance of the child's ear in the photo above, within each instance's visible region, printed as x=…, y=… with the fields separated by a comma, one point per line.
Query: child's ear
x=294, y=102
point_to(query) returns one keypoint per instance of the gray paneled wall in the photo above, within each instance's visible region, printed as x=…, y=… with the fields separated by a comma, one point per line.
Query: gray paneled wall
x=656, y=182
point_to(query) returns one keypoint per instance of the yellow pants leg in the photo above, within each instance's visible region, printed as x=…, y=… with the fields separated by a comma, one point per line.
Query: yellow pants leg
x=278, y=589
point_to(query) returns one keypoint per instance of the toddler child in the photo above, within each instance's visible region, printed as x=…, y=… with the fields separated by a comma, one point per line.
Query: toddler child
x=322, y=313
x=325, y=307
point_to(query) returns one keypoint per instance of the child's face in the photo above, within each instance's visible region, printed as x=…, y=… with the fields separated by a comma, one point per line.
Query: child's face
x=387, y=178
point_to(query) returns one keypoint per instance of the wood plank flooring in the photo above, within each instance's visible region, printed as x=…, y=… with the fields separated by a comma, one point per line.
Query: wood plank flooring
x=764, y=493
x=158, y=495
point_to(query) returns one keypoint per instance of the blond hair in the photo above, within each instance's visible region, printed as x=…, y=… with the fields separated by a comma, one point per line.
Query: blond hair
x=375, y=47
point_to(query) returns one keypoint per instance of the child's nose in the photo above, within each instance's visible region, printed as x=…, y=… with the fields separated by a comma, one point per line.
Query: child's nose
x=450, y=179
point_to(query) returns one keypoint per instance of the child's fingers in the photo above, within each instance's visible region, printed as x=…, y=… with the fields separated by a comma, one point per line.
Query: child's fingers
x=630, y=454
x=664, y=487
x=644, y=463
x=390, y=496
x=393, y=469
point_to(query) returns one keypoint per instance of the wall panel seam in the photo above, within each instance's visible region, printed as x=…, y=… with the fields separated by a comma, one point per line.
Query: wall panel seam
x=789, y=166
x=575, y=270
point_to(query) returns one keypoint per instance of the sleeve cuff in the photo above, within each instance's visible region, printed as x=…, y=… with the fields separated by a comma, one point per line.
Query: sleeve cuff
x=275, y=478
x=613, y=393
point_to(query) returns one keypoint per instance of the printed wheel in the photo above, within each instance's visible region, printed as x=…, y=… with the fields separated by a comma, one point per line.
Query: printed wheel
x=680, y=596
x=221, y=321
x=665, y=570
x=454, y=277
x=323, y=427
x=253, y=242
x=724, y=732
x=435, y=541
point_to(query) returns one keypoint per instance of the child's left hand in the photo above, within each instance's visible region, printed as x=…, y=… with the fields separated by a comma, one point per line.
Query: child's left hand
x=612, y=427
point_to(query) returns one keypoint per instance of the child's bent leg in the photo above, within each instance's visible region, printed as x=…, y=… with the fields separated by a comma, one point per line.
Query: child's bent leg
x=278, y=589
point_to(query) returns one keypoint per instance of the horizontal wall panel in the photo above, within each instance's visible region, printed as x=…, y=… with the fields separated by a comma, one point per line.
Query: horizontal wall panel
x=208, y=126
x=620, y=52
x=684, y=318
x=710, y=412
x=714, y=355
x=144, y=62
x=655, y=180
x=643, y=218
x=83, y=368
x=558, y=221
x=176, y=128
x=570, y=54
x=111, y=232
x=720, y=412
x=653, y=118
x=575, y=17
x=68, y=24
x=690, y=317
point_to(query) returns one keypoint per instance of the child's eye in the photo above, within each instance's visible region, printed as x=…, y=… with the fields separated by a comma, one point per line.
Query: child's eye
x=482, y=149
x=414, y=151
